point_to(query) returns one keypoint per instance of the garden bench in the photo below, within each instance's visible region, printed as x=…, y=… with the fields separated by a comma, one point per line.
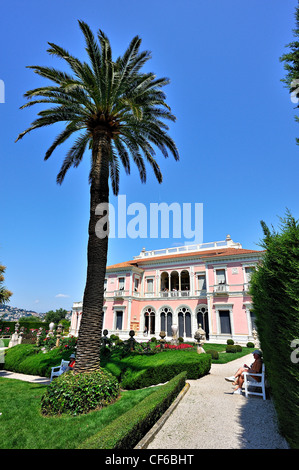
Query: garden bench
x=251, y=382
x=58, y=370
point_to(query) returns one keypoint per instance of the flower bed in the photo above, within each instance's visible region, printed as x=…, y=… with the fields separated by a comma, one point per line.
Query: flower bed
x=174, y=346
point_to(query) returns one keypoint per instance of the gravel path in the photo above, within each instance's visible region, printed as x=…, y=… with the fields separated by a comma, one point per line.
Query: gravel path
x=209, y=416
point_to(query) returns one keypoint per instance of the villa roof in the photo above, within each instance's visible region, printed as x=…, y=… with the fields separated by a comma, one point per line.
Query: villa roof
x=216, y=253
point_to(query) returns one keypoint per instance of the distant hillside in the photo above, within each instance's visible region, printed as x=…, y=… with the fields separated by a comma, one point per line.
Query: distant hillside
x=14, y=313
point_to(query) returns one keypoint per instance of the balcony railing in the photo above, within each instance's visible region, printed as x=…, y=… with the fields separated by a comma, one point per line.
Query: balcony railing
x=221, y=289
x=175, y=293
x=218, y=289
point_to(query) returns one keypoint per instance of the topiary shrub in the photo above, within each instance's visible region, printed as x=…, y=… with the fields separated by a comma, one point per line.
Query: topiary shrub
x=250, y=344
x=230, y=342
x=214, y=354
x=79, y=393
x=238, y=348
x=230, y=349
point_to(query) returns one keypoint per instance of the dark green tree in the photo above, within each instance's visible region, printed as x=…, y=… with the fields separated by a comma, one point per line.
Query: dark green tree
x=56, y=316
x=291, y=65
x=275, y=297
x=119, y=112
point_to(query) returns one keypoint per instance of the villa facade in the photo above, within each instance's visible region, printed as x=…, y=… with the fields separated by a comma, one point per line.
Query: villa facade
x=186, y=286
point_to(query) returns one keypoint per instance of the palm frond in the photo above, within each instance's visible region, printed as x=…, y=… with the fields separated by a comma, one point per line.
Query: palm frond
x=74, y=156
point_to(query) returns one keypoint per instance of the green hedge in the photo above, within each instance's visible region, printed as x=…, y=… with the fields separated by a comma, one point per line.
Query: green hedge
x=127, y=430
x=28, y=325
x=275, y=295
x=143, y=371
x=133, y=371
x=25, y=359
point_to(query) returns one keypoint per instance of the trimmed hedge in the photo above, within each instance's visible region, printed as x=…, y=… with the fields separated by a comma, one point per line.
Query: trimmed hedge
x=127, y=430
x=26, y=359
x=138, y=371
x=275, y=296
x=28, y=325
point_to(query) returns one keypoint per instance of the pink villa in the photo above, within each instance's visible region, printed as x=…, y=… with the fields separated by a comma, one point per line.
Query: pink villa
x=186, y=286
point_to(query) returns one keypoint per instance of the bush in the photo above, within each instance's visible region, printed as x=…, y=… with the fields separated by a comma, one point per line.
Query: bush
x=238, y=348
x=230, y=342
x=275, y=296
x=250, y=345
x=214, y=354
x=28, y=359
x=79, y=393
x=230, y=348
x=127, y=430
x=140, y=371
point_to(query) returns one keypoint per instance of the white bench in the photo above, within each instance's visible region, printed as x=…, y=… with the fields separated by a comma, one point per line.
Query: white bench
x=58, y=370
x=251, y=382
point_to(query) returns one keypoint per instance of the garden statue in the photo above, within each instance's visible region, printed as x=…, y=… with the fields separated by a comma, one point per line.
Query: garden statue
x=38, y=335
x=255, y=338
x=105, y=340
x=58, y=334
x=174, y=330
x=200, y=337
x=132, y=340
x=20, y=339
x=14, y=340
x=162, y=340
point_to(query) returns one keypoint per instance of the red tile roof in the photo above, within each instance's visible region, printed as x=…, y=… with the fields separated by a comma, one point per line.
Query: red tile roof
x=216, y=253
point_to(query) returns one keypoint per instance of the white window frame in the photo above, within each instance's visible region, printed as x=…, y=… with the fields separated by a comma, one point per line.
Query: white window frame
x=228, y=307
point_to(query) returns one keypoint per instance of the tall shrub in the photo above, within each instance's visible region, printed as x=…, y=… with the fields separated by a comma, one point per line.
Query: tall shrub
x=275, y=295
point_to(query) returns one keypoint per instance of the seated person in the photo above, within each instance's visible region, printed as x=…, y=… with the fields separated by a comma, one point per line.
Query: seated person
x=71, y=364
x=256, y=368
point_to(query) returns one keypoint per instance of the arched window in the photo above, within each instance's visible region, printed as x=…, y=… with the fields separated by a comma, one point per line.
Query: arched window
x=184, y=317
x=185, y=281
x=166, y=320
x=203, y=318
x=149, y=320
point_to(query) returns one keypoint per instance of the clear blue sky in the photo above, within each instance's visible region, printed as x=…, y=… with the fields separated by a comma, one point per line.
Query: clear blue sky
x=235, y=131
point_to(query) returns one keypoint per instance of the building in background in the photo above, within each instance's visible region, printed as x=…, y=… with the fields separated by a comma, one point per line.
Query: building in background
x=186, y=286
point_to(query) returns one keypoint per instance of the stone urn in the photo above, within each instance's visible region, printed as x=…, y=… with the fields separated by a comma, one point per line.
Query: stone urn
x=174, y=329
x=51, y=326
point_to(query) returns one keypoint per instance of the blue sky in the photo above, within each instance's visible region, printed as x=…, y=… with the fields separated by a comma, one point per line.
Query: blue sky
x=235, y=131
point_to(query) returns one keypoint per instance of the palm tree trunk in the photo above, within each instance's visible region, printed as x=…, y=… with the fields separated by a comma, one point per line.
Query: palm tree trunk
x=88, y=345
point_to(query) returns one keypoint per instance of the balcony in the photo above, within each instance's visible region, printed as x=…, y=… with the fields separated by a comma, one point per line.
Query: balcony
x=175, y=293
x=221, y=289
x=120, y=293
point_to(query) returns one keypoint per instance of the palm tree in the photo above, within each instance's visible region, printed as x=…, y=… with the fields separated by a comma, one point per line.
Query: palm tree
x=119, y=113
x=5, y=294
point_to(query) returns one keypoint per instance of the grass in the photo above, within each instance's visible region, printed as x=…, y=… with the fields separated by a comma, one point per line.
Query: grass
x=23, y=427
x=224, y=357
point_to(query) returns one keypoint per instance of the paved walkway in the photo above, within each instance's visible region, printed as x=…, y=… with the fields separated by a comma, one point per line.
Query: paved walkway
x=26, y=378
x=208, y=416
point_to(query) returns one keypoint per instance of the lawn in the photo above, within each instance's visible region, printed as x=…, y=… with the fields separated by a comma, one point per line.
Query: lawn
x=23, y=427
